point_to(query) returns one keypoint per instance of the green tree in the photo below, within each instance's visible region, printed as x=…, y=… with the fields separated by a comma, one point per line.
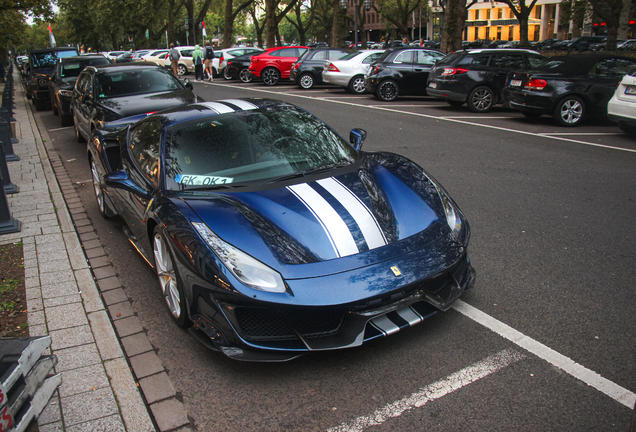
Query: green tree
x=522, y=11
x=610, y=11
x=398, y=12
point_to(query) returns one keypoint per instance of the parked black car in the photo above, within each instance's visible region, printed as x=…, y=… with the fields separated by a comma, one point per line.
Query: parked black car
x=546, y=44
x=307, y=70
x=568, y=87
x=401, y=71
x=583, y=43
x=480, y=43
x=237, y=68
x=62, y=82
x=477, y=77
x=38, y=69
x=628, y=45
x=110, y=92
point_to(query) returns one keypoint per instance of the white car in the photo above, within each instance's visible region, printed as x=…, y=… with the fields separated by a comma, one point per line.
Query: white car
x=155, y=56
x=222, y=56
x=348, y=72
x=185, y=61
x=112, y=55
x=622, y=107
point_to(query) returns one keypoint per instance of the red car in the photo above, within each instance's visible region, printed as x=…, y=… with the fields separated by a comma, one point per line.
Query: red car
x=275, y=63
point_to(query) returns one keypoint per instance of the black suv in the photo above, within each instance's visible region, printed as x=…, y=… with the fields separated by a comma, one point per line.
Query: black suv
x=307, y=70
x=39, y=68
x=401, y=71
x=63, y=80
x=478, y=77
x=583, y=43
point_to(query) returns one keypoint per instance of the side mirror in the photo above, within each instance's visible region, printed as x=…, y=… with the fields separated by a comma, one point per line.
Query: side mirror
x=187, y=84
x=357, y=137
x=120, y=180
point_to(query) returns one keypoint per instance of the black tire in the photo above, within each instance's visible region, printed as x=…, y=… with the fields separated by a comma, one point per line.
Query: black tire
x=569, y=111
x=245, y=75
x=98, y=191
x=627, y=128
x=225, y=74
x=168, y=275
x=39, y=104
x=65, y=120
x=270, y=76
x=78, y=135
x=388, y=90
x=481, y=99
x=454, y=103
x=530, y=114
x=356, y=85
x=306, y=81
x=182, y=70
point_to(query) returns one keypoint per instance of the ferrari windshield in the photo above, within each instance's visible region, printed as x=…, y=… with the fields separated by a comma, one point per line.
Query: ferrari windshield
x=117, y=83
x=248, y=146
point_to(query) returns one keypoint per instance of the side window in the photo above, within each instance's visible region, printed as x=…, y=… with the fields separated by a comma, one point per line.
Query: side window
x=187, y=53
x=276, y=53
x=145, y=145
x=480, y=60
x=604, y=68
x=335, y=54
x=288, y=52
x=370, y=59
x=425, y=57
x=319, y=55
x=507, y=61
x=535, y=60
x=624, y=67
x=404, y=57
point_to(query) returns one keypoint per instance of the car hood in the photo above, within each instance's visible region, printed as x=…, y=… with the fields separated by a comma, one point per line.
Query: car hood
x=380, y=210
x=151, y=102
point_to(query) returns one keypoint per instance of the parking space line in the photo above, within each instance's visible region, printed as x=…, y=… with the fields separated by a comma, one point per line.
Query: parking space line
x=433, y=391
x=475, y=117
x=383, y=108
x=564, y=363
x=582, y=133
x=59, y=129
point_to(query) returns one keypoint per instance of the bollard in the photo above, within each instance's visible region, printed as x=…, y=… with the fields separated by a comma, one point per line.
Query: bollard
x=8, y=225
x=5, y=137
x=9, y=187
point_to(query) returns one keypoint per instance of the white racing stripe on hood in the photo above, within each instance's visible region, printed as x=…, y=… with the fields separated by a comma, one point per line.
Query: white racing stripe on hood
x=244, y=105
x=334, y=226
x=369, y=226
x=218, y=107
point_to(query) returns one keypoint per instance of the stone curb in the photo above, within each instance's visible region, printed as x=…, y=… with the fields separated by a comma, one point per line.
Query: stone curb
x=104, y=293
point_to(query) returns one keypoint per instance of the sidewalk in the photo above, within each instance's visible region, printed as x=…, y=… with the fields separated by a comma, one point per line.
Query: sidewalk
x=98, y=391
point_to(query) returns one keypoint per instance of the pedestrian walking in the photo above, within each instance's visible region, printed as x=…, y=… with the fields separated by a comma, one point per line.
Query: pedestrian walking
x=197, y=60
x=209, y=56
x=174, y=57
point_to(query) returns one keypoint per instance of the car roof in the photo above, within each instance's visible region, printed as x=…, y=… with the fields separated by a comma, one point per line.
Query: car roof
x=496, y=50
x=124, y=66
x=81, y=57
x=53, y=49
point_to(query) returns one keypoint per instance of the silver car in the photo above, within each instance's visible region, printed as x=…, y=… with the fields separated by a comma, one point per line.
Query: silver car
x=348, y=72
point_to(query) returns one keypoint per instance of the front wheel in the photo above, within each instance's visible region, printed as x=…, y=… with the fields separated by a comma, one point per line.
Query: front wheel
x=99, y=193
x=481, y=100
x=245, y=75
x=388, y=90
x=270, y=76
x=169, y=281
x=356, y=85
x=569, y=111
x=306, y=81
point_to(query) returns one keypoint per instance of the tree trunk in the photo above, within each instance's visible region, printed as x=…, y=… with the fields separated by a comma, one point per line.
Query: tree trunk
x=227, y=27
x=523, y=33
x=451, y=33
x=337, y=29
x=272, y=25
x=623, y=26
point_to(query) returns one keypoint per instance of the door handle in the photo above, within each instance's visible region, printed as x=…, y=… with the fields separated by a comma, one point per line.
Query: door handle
x=418, y=69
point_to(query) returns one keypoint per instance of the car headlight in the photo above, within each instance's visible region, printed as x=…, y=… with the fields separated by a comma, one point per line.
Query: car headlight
x=246, y=269
x=454, y=217
x=65, y=93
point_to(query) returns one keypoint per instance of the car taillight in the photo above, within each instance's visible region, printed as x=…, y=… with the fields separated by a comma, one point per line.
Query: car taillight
x=454, y=71
x=333, y=68
x=221, y=59
x=229, y=63
x=296, y=66
x=535, y=84
x=375, y=70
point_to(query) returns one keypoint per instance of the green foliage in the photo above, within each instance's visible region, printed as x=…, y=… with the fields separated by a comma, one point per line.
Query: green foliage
x=6, y=306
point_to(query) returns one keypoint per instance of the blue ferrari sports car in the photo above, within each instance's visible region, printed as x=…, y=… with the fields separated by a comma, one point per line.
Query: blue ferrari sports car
x=271, y=235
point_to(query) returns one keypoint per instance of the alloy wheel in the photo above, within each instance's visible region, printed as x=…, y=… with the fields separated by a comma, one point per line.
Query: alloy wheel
x=481, y=100
x=571, y=111
x=167, y=276
x=388, y=90
x=97, y=187
x=245, y=76
x=182, y=70
x=357, y=85
x=226, y=75
x=306, y=81
x=270, y=76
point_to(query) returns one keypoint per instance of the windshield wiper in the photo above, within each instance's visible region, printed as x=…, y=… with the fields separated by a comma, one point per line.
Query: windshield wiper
x=307, y=172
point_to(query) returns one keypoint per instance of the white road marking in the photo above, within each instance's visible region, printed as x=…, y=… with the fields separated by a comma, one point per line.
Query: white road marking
x=564, y=363
x=71, y=160
x=433, y=391
x=581, y=133
x=476, y=117
x=381, y=107
x=59, y=129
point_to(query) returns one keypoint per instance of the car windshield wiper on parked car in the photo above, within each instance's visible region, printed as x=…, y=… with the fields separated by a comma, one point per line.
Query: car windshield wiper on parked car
x=307, y=172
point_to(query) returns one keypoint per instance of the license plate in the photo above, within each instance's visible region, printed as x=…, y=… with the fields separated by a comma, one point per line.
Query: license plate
x=515, y=83
x=630, y=90
x=432, y=85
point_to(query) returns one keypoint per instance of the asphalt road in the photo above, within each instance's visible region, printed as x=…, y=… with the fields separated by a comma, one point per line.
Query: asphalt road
x=551, y=211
